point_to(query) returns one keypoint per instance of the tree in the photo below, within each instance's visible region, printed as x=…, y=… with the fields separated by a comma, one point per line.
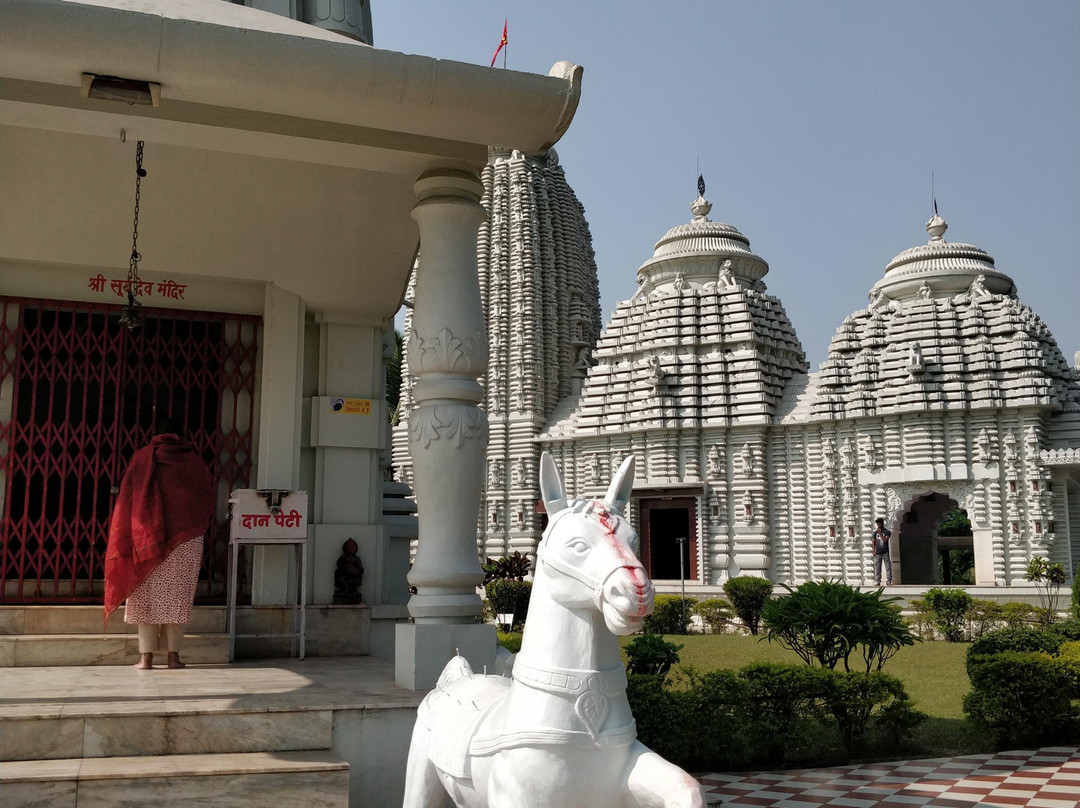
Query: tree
x=1048, y=579
x=748, y=594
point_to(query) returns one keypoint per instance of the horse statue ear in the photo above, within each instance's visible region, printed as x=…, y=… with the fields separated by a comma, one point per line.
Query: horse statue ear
x=551, y=486
x=618, y=493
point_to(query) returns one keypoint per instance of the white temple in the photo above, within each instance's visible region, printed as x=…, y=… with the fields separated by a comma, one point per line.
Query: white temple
x=945, y=391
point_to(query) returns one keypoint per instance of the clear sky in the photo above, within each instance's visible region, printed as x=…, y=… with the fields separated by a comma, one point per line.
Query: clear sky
x=816, y=126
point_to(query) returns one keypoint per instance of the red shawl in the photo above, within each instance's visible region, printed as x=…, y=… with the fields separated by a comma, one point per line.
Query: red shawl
x=166, y=498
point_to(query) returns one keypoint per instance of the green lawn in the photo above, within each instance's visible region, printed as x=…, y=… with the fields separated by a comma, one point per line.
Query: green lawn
x=933, y=674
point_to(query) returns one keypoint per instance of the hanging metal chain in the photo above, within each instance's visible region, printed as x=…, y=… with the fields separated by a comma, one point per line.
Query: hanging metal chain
x=133, y=266
x=131, y=315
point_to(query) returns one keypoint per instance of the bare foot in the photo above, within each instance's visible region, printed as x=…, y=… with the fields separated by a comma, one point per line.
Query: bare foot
x=174, y=660
x=145, y=663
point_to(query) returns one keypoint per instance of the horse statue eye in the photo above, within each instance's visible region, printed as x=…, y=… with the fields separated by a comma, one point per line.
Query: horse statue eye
x=578, y=545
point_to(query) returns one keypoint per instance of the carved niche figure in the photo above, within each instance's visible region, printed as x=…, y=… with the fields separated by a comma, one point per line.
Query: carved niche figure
x=644, y=289
x=983, y=452
x=656, y=372
x=495, y=474
x=1010, y=449
x=680, y=282
x=594, y=469
x=519, y=471
x=725, y=279
x=925, y=292
x=559, y=731
x=716, y=461
x=748, y=459
x=870, y=452
x=915, y=361
x=349, y=575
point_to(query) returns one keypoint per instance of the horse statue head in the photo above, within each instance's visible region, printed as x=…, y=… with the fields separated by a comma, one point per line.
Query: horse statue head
x=588, y=554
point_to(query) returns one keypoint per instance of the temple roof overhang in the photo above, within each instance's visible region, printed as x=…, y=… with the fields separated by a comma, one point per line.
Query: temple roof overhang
x=279, y=152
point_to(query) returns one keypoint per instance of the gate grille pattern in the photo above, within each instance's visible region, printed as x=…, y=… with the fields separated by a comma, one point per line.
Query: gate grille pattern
x=78, y=395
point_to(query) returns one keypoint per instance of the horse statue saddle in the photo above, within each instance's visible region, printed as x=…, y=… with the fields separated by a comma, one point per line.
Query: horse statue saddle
x=454, y=712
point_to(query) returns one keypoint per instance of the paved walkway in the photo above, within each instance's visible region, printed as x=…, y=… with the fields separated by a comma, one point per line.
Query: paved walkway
x=1043, y=778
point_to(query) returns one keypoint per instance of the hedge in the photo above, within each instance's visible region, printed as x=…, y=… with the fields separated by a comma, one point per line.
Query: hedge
x=766, y=715
x=1021, y=698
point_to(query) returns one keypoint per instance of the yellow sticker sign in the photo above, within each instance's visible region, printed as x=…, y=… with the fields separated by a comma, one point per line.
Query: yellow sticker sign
x=351, y=406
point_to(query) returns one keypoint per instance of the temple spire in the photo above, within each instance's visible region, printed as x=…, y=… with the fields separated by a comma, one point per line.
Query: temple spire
x=700, y=207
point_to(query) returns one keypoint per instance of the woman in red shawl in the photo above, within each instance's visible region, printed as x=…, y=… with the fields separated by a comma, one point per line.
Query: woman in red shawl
x=156, y=541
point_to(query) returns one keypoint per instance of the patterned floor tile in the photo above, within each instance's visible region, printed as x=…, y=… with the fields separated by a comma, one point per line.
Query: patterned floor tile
x=1042, y=778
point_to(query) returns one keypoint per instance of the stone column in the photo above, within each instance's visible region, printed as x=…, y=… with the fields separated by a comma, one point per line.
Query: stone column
x=448, y=433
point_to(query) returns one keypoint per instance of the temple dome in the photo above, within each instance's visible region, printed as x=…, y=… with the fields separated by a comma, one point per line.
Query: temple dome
x=947, y=269
x=943, y=330
x=697, y=251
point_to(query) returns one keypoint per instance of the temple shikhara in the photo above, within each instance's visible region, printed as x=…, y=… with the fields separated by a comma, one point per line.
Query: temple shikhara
x=944, y=392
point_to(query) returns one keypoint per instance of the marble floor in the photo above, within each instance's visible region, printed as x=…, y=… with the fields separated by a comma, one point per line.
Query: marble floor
x=265, y=685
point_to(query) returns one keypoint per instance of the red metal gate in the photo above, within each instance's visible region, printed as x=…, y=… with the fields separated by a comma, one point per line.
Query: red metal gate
x=78, y=395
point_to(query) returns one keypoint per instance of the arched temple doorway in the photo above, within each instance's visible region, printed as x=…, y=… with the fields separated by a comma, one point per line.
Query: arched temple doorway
x=925, y=556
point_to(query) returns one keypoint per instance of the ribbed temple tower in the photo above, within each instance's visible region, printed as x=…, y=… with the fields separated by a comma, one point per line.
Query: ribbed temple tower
x=542, y=306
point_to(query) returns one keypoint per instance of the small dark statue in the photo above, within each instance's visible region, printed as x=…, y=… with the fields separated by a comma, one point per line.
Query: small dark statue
x=349, y=574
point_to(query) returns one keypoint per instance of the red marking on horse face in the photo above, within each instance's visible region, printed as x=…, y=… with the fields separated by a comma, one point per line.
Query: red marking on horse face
x=610, y=523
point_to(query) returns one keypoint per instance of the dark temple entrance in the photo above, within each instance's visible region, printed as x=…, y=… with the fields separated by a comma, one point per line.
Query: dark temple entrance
x=78, y=395
x=663, y=522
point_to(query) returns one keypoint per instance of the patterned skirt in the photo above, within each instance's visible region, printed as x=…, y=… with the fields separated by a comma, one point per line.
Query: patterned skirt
x=166, y=596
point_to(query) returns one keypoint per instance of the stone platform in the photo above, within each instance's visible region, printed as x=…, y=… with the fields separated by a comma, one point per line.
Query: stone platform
x=325, y=732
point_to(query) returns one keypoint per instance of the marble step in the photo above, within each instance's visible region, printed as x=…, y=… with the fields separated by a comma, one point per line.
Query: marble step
x=311, y=779
x=152, y=725
x=88, y=620
x=58, y=650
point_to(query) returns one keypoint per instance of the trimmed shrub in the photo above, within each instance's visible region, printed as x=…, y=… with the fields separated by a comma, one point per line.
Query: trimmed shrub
x=698, y=725
x=1017, y=614
x=1020, y=698
x=651, y=655
x=947, y=608
x=715, y=613
x=1069, y=657
x=1067, y=630
x=508, y=596
x=1026, y=639
x=748, y=595
x=667, y=615
x=861, y=702
x=826, y=621
x=784, y=706
x=766, y=715
x=982, y=616
x=922, y=622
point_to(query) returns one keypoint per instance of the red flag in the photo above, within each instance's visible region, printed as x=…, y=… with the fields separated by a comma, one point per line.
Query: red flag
x=502, y=44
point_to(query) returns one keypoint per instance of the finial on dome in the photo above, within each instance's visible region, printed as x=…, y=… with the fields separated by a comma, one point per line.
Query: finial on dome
x=700, y=207
x=936, y=227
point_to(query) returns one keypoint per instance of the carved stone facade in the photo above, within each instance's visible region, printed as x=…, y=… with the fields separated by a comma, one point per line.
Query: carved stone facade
x=944, y=391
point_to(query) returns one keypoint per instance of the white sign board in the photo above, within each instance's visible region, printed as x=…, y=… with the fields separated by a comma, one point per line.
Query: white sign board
x=269, y=514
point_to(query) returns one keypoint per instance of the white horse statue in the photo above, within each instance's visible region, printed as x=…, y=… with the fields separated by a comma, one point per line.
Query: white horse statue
x=559, y=733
